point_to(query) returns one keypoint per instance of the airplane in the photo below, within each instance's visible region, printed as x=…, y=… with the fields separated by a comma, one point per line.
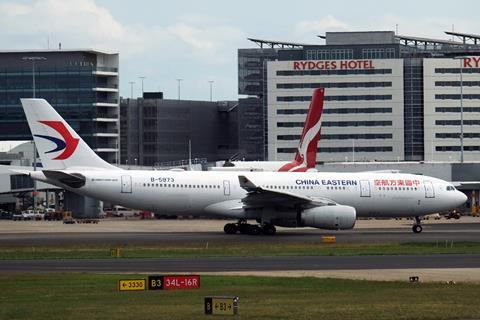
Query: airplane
x=306, y=154
x=324, y=200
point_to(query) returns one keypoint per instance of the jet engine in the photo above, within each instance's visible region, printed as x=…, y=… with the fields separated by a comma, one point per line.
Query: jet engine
x=336, y=217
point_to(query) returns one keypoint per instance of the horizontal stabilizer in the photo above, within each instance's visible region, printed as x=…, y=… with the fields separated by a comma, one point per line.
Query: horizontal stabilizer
x=21, y=171
x=73, y=180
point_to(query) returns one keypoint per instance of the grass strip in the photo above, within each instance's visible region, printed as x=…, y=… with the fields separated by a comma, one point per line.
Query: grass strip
x=241, y=249
x=87, y=296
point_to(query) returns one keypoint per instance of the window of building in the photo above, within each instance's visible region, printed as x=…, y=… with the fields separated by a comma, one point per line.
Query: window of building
x=377, y=123
x=365, y=136
x=366, y=97
x=457, y=70
x=457, y=122
x=456, y=148
x=457, y=109
x=457, y=96
x=378, y=53
x=341, y=149
x=456, y=135
x=369, y=84
x=457, y=83
x=336, y=111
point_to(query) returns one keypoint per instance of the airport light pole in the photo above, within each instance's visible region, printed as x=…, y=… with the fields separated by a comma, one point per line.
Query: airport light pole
x=131, y=89
x=211, y=86
x=179, y=81
x=461, y=59
x=33, y=59
x=142, y=78
x=353, y=150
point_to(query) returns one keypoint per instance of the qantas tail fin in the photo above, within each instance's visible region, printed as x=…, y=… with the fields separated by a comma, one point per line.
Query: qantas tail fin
x=307, y=148
x=59, y=146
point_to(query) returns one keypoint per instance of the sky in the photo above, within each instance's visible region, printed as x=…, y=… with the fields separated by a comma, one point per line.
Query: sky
x=197, y=41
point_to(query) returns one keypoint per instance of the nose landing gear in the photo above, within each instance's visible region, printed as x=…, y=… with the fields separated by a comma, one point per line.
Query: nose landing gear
x=417, y=227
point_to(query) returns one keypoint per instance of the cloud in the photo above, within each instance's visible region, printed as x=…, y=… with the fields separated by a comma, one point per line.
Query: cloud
x=83, y=23
x=188, y=46
x=327, y=23
x=80, y=19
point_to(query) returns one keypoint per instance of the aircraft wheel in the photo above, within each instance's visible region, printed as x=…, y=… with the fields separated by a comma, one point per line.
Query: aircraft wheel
x=244, y=228
x=417, y=228
x=254, y=230
x=230, y=228
x=269, y=229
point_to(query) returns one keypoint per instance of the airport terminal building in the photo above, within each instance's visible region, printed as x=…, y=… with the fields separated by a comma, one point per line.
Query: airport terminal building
x=387, y=98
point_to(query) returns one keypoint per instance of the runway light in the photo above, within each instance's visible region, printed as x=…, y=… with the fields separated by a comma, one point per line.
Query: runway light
x=329, y=239
x=115, y=252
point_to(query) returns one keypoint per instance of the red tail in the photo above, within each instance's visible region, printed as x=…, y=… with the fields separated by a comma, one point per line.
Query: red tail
x=307, y=148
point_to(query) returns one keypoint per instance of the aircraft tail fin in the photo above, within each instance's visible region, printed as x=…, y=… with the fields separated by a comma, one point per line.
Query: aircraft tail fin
x=59, y=146
x=306, y=154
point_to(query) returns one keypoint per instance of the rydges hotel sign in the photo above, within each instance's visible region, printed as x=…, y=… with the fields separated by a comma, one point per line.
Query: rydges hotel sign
x=332, y=64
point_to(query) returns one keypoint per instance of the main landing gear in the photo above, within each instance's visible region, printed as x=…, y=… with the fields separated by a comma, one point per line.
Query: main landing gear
x=417, y=227
x=253, y=229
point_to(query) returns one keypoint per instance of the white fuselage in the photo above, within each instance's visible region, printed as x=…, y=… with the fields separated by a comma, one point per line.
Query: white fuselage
x=252, y=166
x=204, y=193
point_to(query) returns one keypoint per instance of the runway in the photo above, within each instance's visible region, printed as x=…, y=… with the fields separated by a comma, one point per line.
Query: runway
x=158, y=232
x=432, y=233
x=227, y=264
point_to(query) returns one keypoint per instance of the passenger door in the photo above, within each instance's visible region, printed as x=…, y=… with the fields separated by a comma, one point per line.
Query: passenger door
x=365, y=188
x=429, y=190
x=226, y=187
x=126, y=184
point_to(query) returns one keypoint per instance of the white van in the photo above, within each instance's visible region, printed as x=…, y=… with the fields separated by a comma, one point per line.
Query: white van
x=119, y=211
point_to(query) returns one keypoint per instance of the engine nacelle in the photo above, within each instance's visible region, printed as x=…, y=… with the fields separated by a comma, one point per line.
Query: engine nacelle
x=330, y=217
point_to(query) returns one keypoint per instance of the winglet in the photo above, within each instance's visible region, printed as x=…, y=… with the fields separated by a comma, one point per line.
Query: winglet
x=246, y=184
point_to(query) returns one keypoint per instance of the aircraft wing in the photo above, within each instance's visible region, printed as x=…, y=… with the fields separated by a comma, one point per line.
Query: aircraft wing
x=263, y=197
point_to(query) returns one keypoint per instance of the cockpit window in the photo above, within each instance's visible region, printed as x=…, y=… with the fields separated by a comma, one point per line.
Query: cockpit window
x=450, y=188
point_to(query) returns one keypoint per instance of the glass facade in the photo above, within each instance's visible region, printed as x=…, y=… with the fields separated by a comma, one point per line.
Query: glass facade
x=81, y=89
x=413, y=109
x=252, y=71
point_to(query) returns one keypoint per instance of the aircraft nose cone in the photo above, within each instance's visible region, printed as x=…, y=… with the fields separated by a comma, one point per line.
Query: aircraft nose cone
x=462, y=198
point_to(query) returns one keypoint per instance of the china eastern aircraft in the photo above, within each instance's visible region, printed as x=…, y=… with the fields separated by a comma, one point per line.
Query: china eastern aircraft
x=306, y=154
x=325, y=200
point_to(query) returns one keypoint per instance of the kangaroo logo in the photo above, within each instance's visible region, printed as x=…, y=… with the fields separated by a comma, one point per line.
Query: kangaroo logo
x=68, y=144
x=307, y=148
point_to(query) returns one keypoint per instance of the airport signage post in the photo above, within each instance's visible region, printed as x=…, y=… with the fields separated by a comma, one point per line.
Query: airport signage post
x=172, y=282
x=226, y=306
x=131, y=285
